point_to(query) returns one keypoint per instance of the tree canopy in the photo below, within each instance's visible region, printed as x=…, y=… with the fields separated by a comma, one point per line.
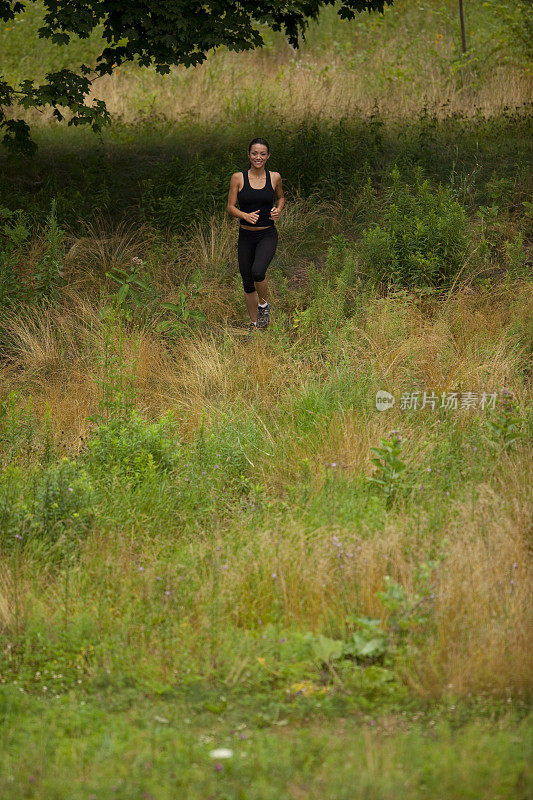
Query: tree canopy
x=160, y=33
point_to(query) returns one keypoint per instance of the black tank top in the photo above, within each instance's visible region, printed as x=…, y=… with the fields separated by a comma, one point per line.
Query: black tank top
x=251, y=199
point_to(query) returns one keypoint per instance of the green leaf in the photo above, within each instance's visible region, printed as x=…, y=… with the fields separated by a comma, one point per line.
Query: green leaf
x=326, y=650
x=374, y=647
x=123, y=292
x=141, y=283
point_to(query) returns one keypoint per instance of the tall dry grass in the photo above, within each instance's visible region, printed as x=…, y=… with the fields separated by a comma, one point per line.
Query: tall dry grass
x=57, y=353
x=305, y=88
x=481, y=638
x=399, y=63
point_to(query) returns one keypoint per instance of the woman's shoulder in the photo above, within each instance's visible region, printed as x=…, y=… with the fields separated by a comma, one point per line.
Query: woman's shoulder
x=275, y=178
x=237, y=179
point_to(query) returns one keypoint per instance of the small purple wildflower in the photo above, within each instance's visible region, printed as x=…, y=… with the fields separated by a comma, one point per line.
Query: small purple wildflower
x=428, y=469
x=283, y=639
x=515, y=565
x=447, y=494
x=216, y=466
x=274, y=575
x=141, y=569
x=18, y=536
x=70, y=489
x=167, y=592
x=218, y=766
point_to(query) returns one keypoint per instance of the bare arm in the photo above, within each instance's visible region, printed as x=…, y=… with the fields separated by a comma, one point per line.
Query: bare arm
x=279, y=201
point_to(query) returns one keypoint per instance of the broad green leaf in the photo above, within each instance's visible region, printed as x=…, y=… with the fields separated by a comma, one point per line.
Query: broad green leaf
x=123, y=292
x=325, y=649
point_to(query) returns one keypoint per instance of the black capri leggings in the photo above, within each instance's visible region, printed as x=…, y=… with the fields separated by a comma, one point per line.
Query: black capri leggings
x=255, y=251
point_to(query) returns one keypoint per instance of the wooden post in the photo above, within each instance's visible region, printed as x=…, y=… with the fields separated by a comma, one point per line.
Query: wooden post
x=462, y=18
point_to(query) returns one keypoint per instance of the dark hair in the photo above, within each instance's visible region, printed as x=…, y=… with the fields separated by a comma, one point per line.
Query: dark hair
x=259, y=141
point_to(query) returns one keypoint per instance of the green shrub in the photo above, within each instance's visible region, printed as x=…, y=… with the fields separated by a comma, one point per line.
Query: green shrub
x=516, y=257
x=63, y=498
x=422, y=239
x=132, y=447
x=184, y=191
x=12, y=509
x=50, y=504
x=516, y=32
x=326, y=311
x=505, y=423
x=16, y=284
x=389, y=471
x=48, y=276
x=14, y=235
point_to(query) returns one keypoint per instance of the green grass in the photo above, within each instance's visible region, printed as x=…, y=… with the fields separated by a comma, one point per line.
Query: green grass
x=153, y=176
x=491, y=38
x=132, y=746
x=191, y=553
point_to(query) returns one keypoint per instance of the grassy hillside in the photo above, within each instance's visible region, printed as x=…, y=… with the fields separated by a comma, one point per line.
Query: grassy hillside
x=409, y=57
x=209, y=541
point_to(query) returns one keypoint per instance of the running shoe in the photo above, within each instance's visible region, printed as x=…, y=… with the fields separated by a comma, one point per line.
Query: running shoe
x=263, y=316
x=251, y=328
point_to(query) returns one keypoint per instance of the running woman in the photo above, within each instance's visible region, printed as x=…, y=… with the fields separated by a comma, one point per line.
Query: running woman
x=255, y=190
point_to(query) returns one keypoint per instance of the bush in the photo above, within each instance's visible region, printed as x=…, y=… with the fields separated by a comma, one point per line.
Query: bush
x=48, y=276
x=14, y=235
x=187, y=191
x=132, y=447
x=63, y=498
x=50, y=504
x=422, y=240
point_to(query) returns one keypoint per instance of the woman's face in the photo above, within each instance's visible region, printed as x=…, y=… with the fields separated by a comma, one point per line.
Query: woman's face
x=258, y=155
